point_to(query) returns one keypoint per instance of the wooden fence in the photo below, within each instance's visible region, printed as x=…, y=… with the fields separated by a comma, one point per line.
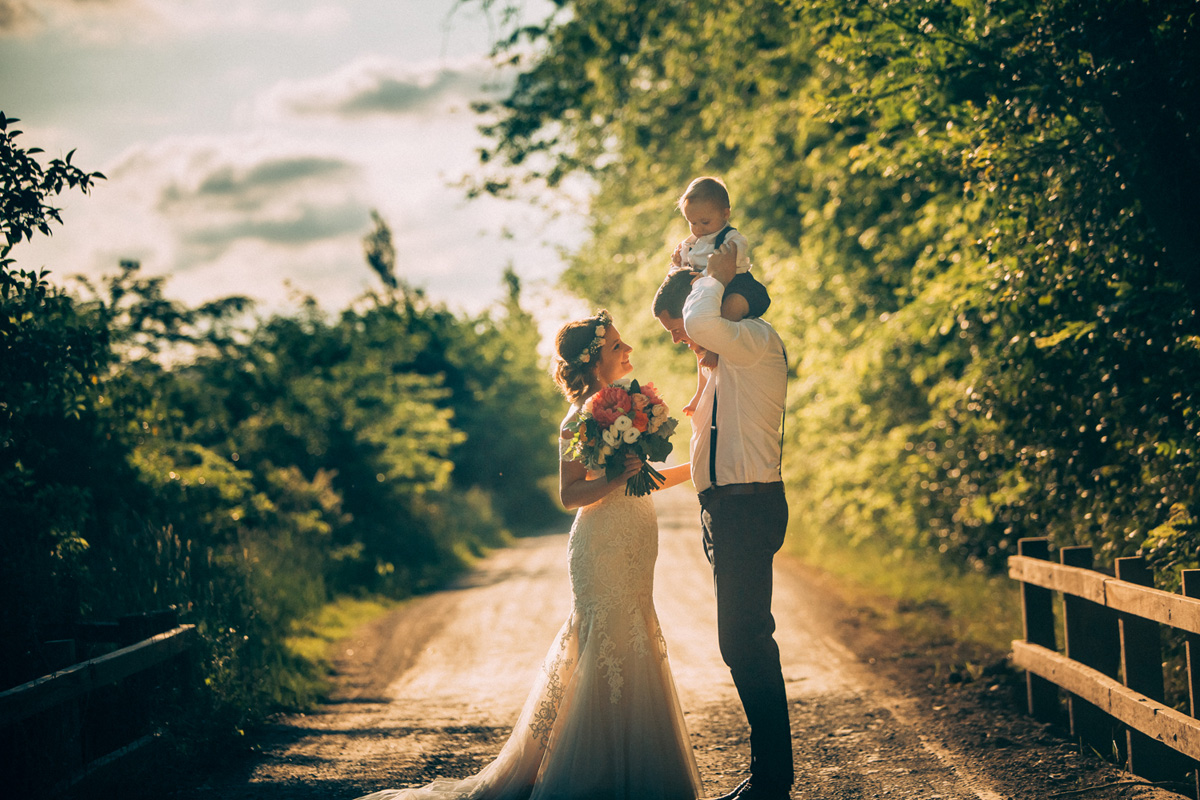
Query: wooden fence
x=1110, y=670
x=83, y=719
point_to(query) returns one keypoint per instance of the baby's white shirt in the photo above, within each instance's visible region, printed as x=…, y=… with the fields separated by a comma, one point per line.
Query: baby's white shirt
x=695, y=254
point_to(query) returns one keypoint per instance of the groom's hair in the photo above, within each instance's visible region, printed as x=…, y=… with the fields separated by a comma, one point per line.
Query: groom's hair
x=673, y=292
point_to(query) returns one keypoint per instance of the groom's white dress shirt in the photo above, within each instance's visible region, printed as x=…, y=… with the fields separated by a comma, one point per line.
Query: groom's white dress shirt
x=750, y=381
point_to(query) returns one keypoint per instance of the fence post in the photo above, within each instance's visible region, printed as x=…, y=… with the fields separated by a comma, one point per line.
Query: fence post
x=1191, y=588
x=1141, y=660
x=62, y=723
x=129, y=696
x=1037, y=614
x=1093, y=638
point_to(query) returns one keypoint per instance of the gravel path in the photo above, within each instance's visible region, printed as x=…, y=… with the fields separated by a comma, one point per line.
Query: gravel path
x=431, y=690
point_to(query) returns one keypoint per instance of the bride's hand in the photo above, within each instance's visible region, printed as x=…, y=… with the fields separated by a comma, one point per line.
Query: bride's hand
x=633, y=465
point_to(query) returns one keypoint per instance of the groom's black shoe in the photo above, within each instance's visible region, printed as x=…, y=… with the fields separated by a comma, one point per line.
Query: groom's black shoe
x=753, y=792
x=747, y=790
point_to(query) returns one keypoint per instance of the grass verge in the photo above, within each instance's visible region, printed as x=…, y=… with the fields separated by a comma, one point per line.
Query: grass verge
x=306, y=677
x=922, y=599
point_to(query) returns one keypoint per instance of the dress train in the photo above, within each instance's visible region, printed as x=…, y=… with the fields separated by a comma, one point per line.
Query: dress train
x=603, y=720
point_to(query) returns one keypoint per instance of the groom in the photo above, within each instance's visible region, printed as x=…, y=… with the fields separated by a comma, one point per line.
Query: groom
x=736, y=469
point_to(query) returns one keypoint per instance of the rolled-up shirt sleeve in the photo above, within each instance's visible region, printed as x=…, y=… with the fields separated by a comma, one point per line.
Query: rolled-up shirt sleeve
x=702, y=320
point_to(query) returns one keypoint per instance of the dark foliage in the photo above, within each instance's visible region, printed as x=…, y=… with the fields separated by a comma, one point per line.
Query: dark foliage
x=978, y=221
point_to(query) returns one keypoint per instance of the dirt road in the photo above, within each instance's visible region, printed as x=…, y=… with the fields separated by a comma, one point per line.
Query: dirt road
x=432, y=689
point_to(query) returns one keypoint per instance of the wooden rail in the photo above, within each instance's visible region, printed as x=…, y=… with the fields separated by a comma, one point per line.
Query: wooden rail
x=56, y=688
x=87, y=718
x=1110, y=670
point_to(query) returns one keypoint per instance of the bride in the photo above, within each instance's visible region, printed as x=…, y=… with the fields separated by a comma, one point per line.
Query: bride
x=603, y=721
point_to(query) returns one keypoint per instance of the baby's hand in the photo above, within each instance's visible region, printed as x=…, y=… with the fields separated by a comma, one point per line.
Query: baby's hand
x=709, y=359
x=677, y=256
x=690, y=408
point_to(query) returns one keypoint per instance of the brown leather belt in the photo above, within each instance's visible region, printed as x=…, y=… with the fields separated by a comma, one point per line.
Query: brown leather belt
x=730, y=489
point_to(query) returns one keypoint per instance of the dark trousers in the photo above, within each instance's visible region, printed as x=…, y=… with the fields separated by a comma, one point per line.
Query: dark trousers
x=745, y=284
x=742, y=533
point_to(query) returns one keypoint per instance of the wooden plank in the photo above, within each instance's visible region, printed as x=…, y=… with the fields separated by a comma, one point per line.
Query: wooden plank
x=1162, y=723
x=1191, y=588
x=1141, y=640
x=1142, y=601
x=1084, y=583
x=1092, y=637
x=108, y=761
x=1142, y=669
x=1154, y=604
x=1090, y=684
x=50, y=690
x=1037, y=618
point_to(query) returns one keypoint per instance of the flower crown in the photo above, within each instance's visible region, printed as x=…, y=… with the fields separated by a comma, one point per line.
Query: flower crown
x=603, y=320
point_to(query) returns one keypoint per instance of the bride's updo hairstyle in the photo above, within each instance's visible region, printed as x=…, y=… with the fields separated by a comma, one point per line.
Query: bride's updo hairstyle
x=577, y=352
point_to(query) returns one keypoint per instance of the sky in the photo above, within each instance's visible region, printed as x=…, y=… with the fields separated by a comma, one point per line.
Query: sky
x=245, y=143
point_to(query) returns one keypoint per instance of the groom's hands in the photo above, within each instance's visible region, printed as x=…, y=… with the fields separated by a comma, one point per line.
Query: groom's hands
x=722, y=264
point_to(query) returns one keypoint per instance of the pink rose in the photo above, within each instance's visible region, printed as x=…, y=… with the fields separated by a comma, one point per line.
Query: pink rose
x=651, y=393
x=610, y=403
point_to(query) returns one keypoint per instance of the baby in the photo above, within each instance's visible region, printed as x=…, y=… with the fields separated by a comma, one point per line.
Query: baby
x=705, y=206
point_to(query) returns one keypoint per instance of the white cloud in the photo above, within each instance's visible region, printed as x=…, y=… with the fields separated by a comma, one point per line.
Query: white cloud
x=291, y=200
x=221, y=215
x=214, y=194
x=276, y=191
x=332, y=271
x=268, y=215
x=377, y=86
x=202, y=16
x=88, y=19
x=112, y=21
x=17, y=16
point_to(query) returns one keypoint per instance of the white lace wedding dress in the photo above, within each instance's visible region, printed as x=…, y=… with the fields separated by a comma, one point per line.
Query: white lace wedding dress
x=603, y=721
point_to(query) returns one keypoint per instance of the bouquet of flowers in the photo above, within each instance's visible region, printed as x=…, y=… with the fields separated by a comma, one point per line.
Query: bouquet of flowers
x=618, y=420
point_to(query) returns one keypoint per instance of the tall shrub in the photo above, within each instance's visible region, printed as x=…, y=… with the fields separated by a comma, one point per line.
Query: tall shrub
x=976, y=220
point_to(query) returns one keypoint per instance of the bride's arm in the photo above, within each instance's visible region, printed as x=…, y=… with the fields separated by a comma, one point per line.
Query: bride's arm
x=575, y=490
x=680, y=473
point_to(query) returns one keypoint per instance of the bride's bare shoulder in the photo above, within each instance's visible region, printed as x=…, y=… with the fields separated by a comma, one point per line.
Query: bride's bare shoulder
x=565, y=434
x=572, y=415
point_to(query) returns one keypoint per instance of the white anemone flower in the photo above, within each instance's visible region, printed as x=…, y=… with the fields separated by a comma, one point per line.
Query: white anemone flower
x=610, y=437
x=632, y=435
x=622, y=424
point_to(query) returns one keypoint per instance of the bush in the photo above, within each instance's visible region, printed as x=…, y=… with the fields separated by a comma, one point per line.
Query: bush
x=245, y=471
x=977, y=222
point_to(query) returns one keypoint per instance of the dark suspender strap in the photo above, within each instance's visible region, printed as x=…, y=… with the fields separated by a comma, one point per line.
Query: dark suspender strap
x=712, y=442
x=782, y=419
x=720, y=240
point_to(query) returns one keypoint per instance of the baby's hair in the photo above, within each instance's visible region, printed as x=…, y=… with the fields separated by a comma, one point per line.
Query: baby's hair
x=706, y=190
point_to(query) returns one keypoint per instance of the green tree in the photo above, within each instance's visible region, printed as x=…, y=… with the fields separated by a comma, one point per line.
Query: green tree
x=976, y=220
x=245, y=470
x=51, y=445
